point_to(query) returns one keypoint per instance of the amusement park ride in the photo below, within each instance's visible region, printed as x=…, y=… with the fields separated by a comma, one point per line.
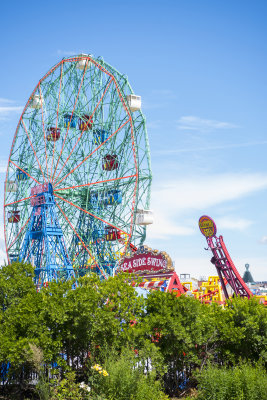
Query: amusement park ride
x=77, y=187
x=231, y=283
x=227, y=272
x=157, y=272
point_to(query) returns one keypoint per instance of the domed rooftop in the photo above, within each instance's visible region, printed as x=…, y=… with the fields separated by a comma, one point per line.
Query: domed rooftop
x=247, y=277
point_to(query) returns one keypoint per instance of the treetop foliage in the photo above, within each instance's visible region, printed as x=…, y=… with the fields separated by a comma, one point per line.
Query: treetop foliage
x=100, y=320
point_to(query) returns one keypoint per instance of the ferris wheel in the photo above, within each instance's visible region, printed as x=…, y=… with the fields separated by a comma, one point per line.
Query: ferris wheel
x=78, y=180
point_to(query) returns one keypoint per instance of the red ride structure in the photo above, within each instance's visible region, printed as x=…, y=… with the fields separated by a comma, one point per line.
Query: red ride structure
x=226, y=269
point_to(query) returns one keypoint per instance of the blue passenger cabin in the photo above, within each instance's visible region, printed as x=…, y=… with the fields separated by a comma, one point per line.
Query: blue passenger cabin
x=21, y=175
x=100, y=135
x=107, y=198
x=112, y=197
x=70, y=121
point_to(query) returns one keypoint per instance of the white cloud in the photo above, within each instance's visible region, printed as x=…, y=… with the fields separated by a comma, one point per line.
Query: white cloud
x=6, y=101
x=171, y=200
x=3, y=166
x=263, y=240
x=5, y=111
x=209, y=148
x=205, y=191
x=163, y=227
x=6, y=108
x=233, y=223
x=192, y=122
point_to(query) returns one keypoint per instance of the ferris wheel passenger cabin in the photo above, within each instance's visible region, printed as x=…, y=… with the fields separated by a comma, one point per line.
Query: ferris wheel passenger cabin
x=13, y=216
x=83, y=61
x=37, y=101
x=110, y=162
x=134, y=102
x=11, y=186
x=70, y=121
x=112, y=197
x=53, y=134
x=112, y=233
x=107, y=198
x=144, y=217
x=85, y=122
x=22, y=175
x=100, y=136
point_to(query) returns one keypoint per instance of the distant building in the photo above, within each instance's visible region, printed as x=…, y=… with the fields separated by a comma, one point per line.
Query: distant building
x=247, y=277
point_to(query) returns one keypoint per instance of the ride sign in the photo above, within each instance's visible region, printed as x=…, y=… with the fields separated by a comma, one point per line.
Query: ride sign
x=207, y=226
x=142, y=262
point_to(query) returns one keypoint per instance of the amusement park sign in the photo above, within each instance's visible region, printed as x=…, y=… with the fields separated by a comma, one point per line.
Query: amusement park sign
x=207, y=226
x=147, y=261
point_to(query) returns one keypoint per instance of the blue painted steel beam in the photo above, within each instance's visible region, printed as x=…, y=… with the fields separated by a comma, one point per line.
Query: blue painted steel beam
x=44, y=243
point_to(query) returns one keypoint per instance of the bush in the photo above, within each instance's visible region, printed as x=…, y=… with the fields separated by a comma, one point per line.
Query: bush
x=126, y=377
x=243, y=382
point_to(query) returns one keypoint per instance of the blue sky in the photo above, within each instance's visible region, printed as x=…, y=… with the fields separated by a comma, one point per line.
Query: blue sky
x=200, y=67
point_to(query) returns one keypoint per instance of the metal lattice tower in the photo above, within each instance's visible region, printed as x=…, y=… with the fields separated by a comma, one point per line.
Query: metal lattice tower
x=44, y=244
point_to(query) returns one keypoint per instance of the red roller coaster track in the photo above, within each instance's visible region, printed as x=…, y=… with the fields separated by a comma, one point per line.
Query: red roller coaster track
x=226, y=269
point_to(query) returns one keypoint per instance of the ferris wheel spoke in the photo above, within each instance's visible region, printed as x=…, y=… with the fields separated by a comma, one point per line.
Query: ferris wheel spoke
x=91, y=116
x=89, y=213
x=23, y=227
x=71, y=118
x=95, y=183
x=40, y=92
x=21, y=169
x=86, y=158
x=76, y=233
x=18, y=201
x=59, y=94
x=32, y=148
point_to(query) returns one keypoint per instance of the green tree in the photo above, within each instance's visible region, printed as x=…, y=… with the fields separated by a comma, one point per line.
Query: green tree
x=242, y=331
x=185, y=331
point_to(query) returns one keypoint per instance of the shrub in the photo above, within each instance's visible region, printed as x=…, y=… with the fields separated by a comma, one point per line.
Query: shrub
x=242, y=382
x=68, y=389
x=128, y=377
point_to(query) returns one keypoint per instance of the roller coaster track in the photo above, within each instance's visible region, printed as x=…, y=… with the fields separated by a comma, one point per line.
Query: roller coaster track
x=226, y=269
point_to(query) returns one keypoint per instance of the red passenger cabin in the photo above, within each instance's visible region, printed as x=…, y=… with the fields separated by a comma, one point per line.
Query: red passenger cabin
x=110, y=162
x=112, y=234
x=53, y=134
x=13, y=217
x=85, y=123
